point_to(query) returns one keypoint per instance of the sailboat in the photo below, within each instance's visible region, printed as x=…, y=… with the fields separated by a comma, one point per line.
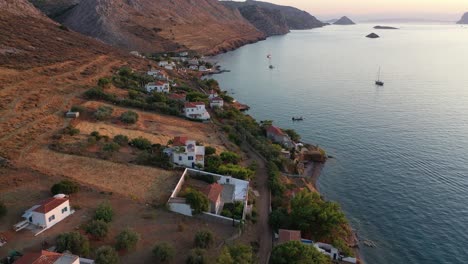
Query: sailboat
x=379, y=82
x=269, y=60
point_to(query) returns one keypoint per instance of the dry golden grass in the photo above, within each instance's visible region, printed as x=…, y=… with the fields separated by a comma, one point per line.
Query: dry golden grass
x=155, y=127
x=138, y=182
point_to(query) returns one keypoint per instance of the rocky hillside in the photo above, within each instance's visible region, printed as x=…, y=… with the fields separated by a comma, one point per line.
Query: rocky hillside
x=269, y=21
x=151, y=26
x=464, y=19
x=43, y=68
x=295, y=18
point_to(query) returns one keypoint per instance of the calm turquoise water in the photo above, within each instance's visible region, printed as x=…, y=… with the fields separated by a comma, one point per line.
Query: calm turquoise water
x=400, y=170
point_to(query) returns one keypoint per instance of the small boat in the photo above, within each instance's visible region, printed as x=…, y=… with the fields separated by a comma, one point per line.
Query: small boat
x=297, y=118
x=379, y=82
x=269, y=60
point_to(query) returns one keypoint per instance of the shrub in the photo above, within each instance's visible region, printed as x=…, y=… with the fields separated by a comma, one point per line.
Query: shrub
x=104, y=212
x=103, y=112
x=127, y=239
x=104, y=82
x=78, y=108
x=197, y=200
x=230, y=157
x=129, y=117
x=65, y=187
x=235, y=171
x=106, y=255
x=121, y=140
x=163, y=252
x=96, y=135
x=203, y=239
x=235, y=138
x=111, y=147
x=156, y=158
x=69, y=130
x=236, y=254
x=141, y=143
x=74, y=242
x=3, y=209
x=196, y=256
x=210, y=151
x=97, y=228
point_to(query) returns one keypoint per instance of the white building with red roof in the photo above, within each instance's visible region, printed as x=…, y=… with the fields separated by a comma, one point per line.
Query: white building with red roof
x=46, y=214
x=196, y=110
x=213, y=192
x=48, y=257
x=159, y=86
x=186, y=153
x=277, y=135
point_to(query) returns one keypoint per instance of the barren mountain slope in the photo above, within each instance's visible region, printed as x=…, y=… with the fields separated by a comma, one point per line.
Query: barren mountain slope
x=150, y=26
x=42, y=71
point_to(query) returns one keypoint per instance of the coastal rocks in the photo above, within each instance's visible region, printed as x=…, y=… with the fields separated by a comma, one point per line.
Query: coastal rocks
x=372, y=36
x=344, y=21
x=464, y=19
x=385, y=27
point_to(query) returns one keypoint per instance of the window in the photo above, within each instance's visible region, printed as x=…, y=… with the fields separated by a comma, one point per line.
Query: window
x=51, y=218
x=190, y=157
x=64, y=209
x=227, y=180
x=180, y=158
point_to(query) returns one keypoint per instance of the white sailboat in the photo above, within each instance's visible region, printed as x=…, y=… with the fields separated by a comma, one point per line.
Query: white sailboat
x=379, y=82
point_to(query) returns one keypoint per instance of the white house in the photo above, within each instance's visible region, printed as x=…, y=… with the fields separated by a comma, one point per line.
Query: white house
x=216, y=102
x=160, y=87
x=169, y=67
x=47, y=213
x=196, y=110
x=202, y=69
x=153, y=72
x=193, y=67
x=193, y=62
x=163, y=63
x=184, y=54
x=186, y=153
x=48, y=257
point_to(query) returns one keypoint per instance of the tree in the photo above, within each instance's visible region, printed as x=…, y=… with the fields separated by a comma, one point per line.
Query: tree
x=72, y=131
x=103, y=112
x=210, y=151
x=197, y=200
x=127, y=239
x=230, y=157
x=111, y=147
x=129, y=117
x=295, y=252
x=3, y=209
x=163, y=252
x=203, y=239
x=104, y=82
x=236, y=254
x=312, y=215
x=121, y=140
x=196, y=256
x=293, y=134
x=104, y=212
x=235, y=171
x=106, y=255
x=212, y=163
x=65, y=187
x=74, y=242
x=141, y=143
x=97, y=228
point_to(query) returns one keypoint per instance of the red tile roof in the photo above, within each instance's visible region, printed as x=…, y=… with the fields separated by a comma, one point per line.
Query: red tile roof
x=289, y=235
x=177, y=96
x=50, y=204
x=213, y=191
x=179, y=141
x=217, y=99
x=275, y=130
x=44, y=257
x=159, y=83
x=193, y=104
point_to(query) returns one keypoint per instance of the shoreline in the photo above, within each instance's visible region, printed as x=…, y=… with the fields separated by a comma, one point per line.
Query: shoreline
x=314, y=172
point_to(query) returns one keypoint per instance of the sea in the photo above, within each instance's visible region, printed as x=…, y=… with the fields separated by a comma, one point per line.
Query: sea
x=400, y=152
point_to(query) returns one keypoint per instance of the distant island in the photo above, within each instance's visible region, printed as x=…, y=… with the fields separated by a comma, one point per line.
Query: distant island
x=464, y=19
x=372, y=36
x=344, y=21
x=385, y=27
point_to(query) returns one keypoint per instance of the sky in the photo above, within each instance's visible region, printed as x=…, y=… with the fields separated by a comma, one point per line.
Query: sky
x=450, y=10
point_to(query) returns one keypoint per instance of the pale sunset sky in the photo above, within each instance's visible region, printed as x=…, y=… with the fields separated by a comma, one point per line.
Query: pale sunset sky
x=450, y=10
